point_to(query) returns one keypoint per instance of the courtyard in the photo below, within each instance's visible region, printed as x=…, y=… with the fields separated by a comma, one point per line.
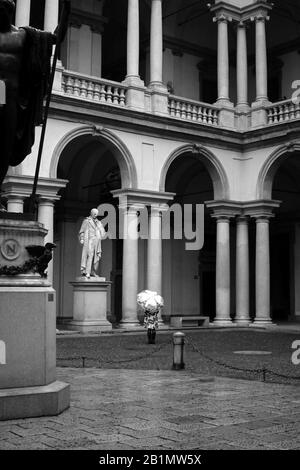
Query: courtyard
x=127, y=397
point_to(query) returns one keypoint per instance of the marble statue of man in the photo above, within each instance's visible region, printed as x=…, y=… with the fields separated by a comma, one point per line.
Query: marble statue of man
x=90, y=235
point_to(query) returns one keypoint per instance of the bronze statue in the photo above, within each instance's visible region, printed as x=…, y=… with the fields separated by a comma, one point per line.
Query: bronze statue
x=25, y=68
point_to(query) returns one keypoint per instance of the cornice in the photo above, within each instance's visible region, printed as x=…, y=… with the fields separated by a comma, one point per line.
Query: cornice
x=94, y=20
x=134, y=121
x=224, y=10
x=124, y=119
x=180, y=46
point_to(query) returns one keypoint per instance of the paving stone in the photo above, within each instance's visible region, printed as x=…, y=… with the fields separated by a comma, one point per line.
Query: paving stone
x=140, y=409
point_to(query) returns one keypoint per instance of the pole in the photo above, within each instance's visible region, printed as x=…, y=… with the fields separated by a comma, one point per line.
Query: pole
x=178, y=351
x=60, y=34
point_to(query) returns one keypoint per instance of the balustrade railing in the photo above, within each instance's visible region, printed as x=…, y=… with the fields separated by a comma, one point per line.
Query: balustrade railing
x=191, y=110
x=94, y=89
x=114, y=93
x=283, y=111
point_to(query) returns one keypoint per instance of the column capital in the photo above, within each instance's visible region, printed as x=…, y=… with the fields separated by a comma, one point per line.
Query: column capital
x=261, y=209
x=263, y=218
x=141, y=196
x=260, y=18
x=224, y=209
x=158, y=209
x=221, y=218
x=45, y=201
x=21, y=185
x=222, y=18
x=246, y=10
x=242, y=219
x=242, y=24
x=131, y=208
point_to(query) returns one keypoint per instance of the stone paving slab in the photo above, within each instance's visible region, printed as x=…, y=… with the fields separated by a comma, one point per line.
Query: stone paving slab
x=117, y=409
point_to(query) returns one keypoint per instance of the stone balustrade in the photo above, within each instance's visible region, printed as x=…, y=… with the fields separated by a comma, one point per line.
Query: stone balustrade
x=114, y=93
x=283, y=111
x=191, y=110
x=94, y=89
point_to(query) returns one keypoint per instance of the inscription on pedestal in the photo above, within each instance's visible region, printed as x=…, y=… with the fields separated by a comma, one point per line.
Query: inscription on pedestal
x=2, y=353
x=10, y=249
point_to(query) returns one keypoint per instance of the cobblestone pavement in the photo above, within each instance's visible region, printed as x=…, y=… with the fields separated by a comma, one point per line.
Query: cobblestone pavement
x=207, y=352
x=151, y=410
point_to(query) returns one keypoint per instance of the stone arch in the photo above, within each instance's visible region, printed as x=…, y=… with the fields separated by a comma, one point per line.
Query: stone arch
x=270, y=167
x=121, y=152
x=210, y=161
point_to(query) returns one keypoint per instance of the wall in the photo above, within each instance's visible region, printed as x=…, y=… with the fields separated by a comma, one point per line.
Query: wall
x=290, y=73
x=182, y=72
x=82, y=48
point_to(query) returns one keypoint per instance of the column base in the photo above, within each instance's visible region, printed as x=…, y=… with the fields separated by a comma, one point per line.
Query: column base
x=135, y=96
x=134, y=81
x=242, y=107
x=88, y=326
x=33, y=402
x=159, y=98
x=224, y=103
x=260, y=102
x=222, y=322
x=263, y=323
x=130, y=325
x=242, y=322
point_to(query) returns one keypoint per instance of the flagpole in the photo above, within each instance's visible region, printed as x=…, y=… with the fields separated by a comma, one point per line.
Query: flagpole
x=61, y=30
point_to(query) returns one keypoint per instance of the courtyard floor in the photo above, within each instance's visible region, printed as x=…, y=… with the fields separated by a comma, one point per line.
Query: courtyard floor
x=127, y=397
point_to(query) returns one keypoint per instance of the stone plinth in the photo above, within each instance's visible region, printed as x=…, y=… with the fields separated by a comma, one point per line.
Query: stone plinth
x=15, y=235
x=90, y=305
x=28, y=386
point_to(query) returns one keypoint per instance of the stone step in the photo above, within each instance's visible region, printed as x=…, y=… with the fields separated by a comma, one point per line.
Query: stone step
x=189, y=320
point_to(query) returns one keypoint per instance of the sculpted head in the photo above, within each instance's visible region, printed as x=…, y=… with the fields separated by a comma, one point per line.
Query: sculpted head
x=94, y=213
x=7, y=9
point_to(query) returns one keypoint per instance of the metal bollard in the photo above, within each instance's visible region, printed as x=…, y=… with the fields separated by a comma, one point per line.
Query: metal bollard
x=178, y=351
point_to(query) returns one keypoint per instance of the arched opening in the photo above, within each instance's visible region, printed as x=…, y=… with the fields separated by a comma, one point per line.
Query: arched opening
x=94, y=168
x=190, y=274
x=285, y=239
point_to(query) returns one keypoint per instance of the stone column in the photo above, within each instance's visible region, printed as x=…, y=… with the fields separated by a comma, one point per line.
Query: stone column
x=133, y=41
x=242, y=272
x=154, y=252
x=51, y=17
x=23, y=13
x=130, y=268
x=261, y=60
x=262, y=271
x=156, y=43
x=159, y=92
x=46, y=217
x=15, y=204
x=223, y=272
x=223, y=60
x=242, y=66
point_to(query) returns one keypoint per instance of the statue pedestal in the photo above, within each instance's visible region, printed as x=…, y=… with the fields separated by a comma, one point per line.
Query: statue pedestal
x=90, y=305
x=28, y=386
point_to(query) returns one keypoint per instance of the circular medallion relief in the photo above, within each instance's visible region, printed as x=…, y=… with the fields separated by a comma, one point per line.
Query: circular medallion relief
x=10, y=249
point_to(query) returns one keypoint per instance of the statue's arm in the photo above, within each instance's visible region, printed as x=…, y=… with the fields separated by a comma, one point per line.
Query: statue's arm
x=82, y=231
x=102, y=231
